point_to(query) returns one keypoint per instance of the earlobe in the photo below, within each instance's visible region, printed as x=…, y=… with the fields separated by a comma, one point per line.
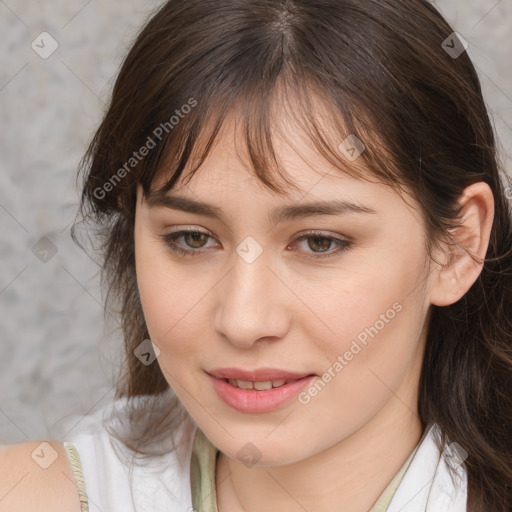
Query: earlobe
x=466, y=258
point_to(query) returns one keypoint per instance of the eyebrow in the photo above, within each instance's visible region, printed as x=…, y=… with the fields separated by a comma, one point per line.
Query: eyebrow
x=280, y=214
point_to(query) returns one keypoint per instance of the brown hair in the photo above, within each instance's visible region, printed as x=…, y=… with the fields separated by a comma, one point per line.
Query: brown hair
x=382, y=70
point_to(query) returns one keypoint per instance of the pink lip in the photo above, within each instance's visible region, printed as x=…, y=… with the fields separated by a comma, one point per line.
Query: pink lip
x=250, y=400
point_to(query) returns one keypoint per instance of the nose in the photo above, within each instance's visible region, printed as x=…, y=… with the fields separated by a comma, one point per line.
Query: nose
x=252, y=304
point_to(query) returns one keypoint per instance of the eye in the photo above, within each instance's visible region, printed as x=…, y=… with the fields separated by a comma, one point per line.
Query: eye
x=320, y=242
x=193, y=237
x=195, y=240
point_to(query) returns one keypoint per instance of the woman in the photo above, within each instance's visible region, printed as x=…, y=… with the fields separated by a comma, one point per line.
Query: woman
x=306, y=234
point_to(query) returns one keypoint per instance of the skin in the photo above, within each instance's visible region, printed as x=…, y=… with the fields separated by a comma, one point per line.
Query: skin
x=340, y=450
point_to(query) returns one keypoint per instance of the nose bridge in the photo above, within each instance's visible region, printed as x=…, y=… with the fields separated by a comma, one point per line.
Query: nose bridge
x=250, y=304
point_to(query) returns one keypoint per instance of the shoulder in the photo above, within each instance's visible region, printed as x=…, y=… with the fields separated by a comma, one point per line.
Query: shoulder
x=37, y=476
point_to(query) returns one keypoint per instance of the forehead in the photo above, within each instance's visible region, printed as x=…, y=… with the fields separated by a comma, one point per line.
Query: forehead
x=227, y=176
x=226, y=186
x=229, y=165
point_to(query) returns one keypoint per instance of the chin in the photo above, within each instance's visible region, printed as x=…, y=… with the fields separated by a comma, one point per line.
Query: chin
x=263, y=454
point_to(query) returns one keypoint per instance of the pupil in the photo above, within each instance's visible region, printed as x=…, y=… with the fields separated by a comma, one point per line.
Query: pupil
x=316, y=240
x=196, y=236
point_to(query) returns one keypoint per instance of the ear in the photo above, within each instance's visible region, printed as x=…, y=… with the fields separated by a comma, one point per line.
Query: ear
x=459, y=270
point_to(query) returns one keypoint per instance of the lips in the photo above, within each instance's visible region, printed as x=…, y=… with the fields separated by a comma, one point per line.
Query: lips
x=259, y=390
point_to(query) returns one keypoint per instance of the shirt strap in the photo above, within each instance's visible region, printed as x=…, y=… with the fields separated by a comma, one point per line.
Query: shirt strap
x=76, y=465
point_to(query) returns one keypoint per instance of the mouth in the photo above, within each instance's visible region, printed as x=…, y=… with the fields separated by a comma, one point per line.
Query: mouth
x=257, y=390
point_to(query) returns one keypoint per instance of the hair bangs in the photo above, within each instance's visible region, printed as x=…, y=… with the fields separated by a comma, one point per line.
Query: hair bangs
x=342, y=134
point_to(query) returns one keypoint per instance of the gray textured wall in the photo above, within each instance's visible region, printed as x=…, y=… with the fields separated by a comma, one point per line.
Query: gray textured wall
x=57, y=357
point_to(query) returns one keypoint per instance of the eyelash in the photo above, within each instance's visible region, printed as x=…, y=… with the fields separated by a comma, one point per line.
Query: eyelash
x=170, y=241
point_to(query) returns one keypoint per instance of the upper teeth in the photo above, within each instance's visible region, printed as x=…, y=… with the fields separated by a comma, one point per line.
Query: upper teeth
x=260, y=386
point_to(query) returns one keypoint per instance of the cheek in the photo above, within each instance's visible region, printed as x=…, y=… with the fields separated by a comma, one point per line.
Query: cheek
x=171, y=301
x=373, y=353
x=370, y=303
x=374, y=320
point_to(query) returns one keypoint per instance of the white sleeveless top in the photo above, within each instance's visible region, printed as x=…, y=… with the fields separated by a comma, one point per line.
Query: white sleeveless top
x=112, y=484
x=423, y=485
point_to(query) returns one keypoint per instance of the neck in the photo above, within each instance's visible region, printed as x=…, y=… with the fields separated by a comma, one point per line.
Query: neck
x=349, y=476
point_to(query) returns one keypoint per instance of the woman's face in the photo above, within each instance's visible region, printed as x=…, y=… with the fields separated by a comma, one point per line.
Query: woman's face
x=250, y=296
